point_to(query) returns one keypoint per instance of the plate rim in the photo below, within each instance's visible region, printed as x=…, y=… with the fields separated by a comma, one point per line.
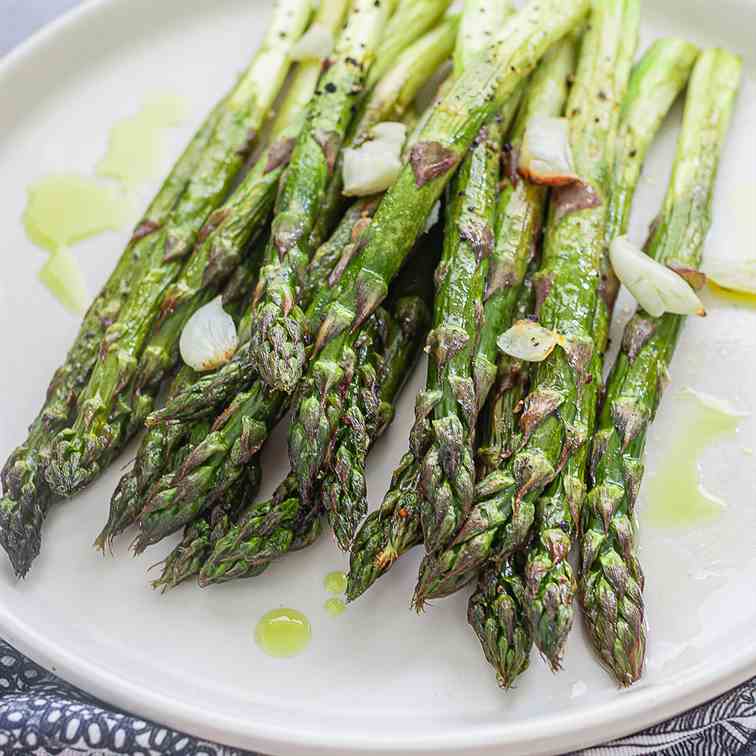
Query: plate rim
x=642, y=708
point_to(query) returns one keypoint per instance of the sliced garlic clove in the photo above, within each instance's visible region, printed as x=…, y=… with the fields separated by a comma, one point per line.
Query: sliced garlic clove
x=374, y=165
x=315, y=44
x=527, y=340
x=657, y=288
x=209, y=338
x=545, y=155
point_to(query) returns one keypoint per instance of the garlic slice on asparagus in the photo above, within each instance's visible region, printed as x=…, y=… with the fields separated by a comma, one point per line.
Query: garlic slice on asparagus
x=374, y=165
x=209, y=338
x=657, y=288
x=529, y=341
x=545, y=155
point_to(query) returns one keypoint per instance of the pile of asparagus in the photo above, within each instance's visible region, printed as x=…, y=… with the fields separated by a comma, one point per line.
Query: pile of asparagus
x=335, y=298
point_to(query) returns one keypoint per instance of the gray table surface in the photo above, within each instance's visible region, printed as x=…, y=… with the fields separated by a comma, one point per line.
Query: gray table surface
x=701, y=732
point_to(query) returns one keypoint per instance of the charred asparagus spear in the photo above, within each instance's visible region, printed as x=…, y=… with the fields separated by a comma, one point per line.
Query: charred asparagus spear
x=27, y=496
x=611, y=580
x=551, y=585
x=200, y=536
x=389, y=99
x=290, y=248
x=403, y=212
x=566, y=292
x=80, y=452
x=272, y=528
x=395, y=528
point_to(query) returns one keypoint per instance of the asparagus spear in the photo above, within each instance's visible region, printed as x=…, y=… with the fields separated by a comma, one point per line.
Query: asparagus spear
x=186, y=560
x=566, y=294
x=27, y=497
x=79, y=453
x=551, y=585
x=238, y=221
x=611, y=580
x=395, y=527
x=520, y=211
x=448, y=406
x=389, y=99
x=158, y=445
x=343, y=490
x=402, y=214
x=270, y=529
x=496, y=612
x=411, y=19
x=290, y=247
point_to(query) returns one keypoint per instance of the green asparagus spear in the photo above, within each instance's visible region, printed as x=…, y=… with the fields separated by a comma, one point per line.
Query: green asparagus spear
x=229, y=230
x=270, y=529
x=159, y=443
x=27, y=496
x=395, y=528
x=551, y=585
x=448, y=406
x=411, y=19
x=312, y=162
x=368, y=412
x=520, y=211
x=389, y=99
x=496, y=612
x=79, y=453
x=566, y=293
x=611, y=580
x=402, y=214
x=200, y=536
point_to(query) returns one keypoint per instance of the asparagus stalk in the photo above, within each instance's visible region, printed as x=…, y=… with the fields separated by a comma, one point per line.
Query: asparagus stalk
x=520, y=211
x=312, y=162
x=156, y=451
x=269, y=530
x=390, y=100
x=262, y=533
x=402, y=214
x=343, y=490
x=551, y=585
x=411, y=19
x=497, y=614
x=242, y=218
x=79, y=453
x=395, y=527
x=448, y=406
x=611, y=580
x=27, y=496
x=566, y=293
x=217, y=463
x=200, y=536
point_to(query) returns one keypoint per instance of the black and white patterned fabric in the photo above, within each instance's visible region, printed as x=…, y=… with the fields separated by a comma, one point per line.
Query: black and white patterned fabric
x=40, y=715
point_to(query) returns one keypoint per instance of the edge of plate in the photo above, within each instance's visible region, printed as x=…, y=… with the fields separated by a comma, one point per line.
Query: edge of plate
x=640, y=709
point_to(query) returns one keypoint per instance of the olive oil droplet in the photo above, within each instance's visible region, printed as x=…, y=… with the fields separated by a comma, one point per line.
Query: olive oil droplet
x=676, y=494
x=64, y=209
x=335, y=582
x=135, y=148
x=335, y=607
x=283, y=633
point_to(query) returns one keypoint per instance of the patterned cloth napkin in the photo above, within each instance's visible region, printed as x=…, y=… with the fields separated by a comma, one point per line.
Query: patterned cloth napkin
x=40, y=715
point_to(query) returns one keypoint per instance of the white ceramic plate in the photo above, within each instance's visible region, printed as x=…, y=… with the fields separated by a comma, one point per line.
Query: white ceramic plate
x=378, y=678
